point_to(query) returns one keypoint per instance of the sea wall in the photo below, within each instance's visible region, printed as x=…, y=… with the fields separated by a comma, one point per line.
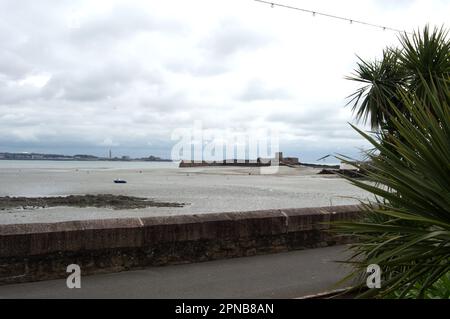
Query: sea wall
x=30, y=252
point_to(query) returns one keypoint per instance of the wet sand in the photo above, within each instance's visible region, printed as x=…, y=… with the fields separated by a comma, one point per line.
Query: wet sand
x=203, y=190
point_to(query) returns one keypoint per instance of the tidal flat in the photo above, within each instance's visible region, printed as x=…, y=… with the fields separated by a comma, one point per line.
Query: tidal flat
x=200, y=189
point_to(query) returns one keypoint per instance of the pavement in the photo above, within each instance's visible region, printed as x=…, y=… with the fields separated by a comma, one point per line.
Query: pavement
x=283, y=275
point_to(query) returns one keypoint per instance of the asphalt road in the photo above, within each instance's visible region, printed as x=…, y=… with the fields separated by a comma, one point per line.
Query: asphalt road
x=284, y=275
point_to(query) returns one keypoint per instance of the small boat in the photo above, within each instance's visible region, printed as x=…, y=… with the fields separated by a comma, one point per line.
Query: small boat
x=120, y=181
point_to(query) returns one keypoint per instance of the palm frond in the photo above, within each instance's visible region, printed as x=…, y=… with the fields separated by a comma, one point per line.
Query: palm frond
x=406, y=231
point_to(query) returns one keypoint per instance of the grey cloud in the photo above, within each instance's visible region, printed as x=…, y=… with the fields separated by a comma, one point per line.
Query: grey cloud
x=129, y=76
x=166, y=101
x=204, y=67
x=213, y=52
x=12, y=66
x=316, y=114
x=257, y=90
x=120, y=24
x=105, y=81
x=231, y=37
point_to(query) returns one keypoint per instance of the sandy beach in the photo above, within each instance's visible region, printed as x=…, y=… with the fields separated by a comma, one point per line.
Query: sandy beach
x=202, y=189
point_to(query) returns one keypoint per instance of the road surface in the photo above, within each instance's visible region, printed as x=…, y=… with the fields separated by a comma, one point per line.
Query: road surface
x=284, y=275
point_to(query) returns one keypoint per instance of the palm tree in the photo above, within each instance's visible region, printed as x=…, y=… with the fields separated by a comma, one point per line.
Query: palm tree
x=406, y=231
x=381, y=80
x=424, y=54
x=405, y=97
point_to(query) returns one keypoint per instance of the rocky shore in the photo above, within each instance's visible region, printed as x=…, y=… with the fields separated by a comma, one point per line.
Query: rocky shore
x=99, y=201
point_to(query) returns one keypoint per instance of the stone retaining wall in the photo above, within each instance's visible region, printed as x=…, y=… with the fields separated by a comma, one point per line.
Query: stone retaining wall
x=30, y=252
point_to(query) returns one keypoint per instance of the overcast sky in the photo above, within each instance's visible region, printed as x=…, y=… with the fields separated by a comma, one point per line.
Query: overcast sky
x=87, y=76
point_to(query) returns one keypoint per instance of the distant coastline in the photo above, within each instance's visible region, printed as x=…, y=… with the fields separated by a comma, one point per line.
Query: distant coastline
x=288, y=161
x=78, y=157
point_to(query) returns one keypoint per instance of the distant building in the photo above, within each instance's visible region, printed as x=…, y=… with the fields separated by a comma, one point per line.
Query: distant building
x=260, y=161
x=347, y=166
x=286, y=160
